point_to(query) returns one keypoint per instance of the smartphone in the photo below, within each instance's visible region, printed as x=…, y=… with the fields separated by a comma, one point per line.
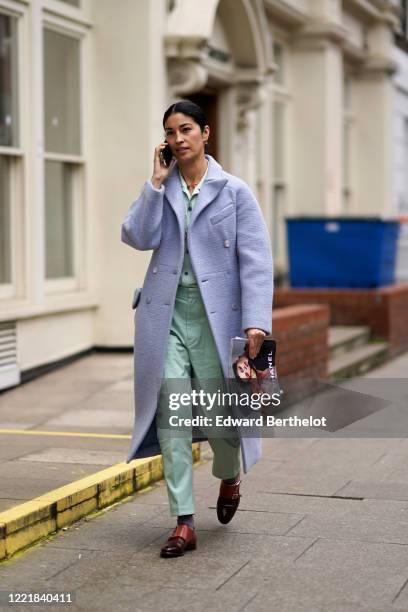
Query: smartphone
x=167, y=155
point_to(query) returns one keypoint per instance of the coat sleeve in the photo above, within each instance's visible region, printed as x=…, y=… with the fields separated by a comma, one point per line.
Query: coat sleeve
x=141, y=228
x=255, y=262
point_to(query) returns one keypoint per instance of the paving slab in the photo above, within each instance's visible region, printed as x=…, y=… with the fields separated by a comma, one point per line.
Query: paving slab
x=96, y=419
x=63, y=456
x=68, y=401
x=375, y=489
x=43, y=471
x=352, y=528
x=245, y=522
x=30, y=488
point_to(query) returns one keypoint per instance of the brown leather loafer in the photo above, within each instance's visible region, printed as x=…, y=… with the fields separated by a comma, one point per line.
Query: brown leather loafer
x=182, y=538
x=228, y=501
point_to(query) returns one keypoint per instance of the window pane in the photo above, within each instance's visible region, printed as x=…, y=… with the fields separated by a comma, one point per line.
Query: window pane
x=404, y=17
x=5, y=225
x=8, y=82
x=278, y=139
x=277, y=220
x=346, y=154
x=347, y=93
x=72, y=2
x=346, y=166
x=279, y=75
x=61, y=93
x=58, y=219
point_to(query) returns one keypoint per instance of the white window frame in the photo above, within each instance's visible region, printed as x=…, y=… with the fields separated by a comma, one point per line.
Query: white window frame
x=29, y=294
x=77, y=31
x=17, y=158
x=80, y=15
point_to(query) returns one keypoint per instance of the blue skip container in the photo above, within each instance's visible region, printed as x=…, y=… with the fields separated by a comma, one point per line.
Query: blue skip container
x=342, y=252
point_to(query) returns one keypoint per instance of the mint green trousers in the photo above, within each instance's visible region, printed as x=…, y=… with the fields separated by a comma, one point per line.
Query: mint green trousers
x=191, y=352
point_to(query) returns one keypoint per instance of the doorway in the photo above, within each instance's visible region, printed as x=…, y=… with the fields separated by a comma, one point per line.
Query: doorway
x=207, y=99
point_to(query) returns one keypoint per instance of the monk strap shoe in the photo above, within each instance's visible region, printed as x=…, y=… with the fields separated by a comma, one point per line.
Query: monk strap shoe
x=228, y=501
x=182, y=538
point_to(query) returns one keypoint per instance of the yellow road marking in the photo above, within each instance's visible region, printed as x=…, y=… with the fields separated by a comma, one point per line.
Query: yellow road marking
x=78, y=434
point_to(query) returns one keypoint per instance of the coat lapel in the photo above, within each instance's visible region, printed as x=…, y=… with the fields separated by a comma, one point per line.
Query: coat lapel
x=214, y=182
x=211, y=187
x=175, y=196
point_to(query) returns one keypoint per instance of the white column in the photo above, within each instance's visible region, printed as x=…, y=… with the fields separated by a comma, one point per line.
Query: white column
x=373, y=154
x=373, y=107
x=316, y=128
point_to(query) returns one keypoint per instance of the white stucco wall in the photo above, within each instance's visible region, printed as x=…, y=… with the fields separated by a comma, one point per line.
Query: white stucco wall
x=129, y=94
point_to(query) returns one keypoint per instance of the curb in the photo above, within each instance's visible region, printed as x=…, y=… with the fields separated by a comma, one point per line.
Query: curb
x=31, y=521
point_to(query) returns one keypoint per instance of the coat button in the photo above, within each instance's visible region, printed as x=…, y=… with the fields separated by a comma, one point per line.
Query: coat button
x=155, y=270
x=234, y=307
x=226, y=243
x=148, y=300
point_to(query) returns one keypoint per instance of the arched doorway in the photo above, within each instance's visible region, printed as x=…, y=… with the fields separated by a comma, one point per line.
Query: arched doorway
x=218, y=57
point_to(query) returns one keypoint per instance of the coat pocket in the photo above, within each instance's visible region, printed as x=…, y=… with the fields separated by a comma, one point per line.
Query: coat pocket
x=136, y=297
x=225, y=212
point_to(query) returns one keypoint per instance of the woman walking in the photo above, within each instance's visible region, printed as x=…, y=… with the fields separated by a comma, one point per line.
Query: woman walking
x=209, y=279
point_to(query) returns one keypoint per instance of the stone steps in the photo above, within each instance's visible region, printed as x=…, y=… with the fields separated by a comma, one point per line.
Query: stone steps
x=352, y=353
x=343, y=338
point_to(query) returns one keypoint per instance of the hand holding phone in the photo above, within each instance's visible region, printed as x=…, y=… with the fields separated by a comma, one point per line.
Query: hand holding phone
x=167, y=154
x=162, y=165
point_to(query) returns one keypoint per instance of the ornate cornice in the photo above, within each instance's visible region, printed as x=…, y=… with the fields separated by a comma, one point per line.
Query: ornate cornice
x=380, y=11
x=320, y=31
x=186, y=76
x=285, y=13
x=191, y=47
x=374, y=66
x=185, y=56
x=250, y=95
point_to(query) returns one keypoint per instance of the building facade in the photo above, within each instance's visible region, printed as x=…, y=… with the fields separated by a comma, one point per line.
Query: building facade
x=307, y=101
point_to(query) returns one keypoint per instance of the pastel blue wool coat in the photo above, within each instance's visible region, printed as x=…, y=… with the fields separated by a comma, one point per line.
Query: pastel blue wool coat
x=230, y=252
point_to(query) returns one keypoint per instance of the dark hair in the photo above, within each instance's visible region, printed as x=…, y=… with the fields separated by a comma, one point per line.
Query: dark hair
x=235, y=365
x=188, y=108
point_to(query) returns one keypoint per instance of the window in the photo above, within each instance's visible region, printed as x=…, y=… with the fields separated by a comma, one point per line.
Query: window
x=58, y=213
x=8, y=82
x=5, y=225
x=61, y=93
x=279, y=117
x=401, y=165
x=53, y=119
x=63, y=150
x=279, y=184
x=348, y=120
x=278, y=139
x=9, y=143
x=278, y=58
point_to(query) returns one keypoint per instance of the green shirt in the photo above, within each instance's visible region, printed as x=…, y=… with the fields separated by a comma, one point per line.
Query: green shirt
x=187, y=276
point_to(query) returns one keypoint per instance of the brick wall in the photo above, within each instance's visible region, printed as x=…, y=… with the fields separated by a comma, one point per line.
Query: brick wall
x=384, y=310
x=301, y=333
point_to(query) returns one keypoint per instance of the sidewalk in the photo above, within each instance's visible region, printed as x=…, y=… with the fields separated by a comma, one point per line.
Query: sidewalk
x=93, y=395
x=322, y=525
